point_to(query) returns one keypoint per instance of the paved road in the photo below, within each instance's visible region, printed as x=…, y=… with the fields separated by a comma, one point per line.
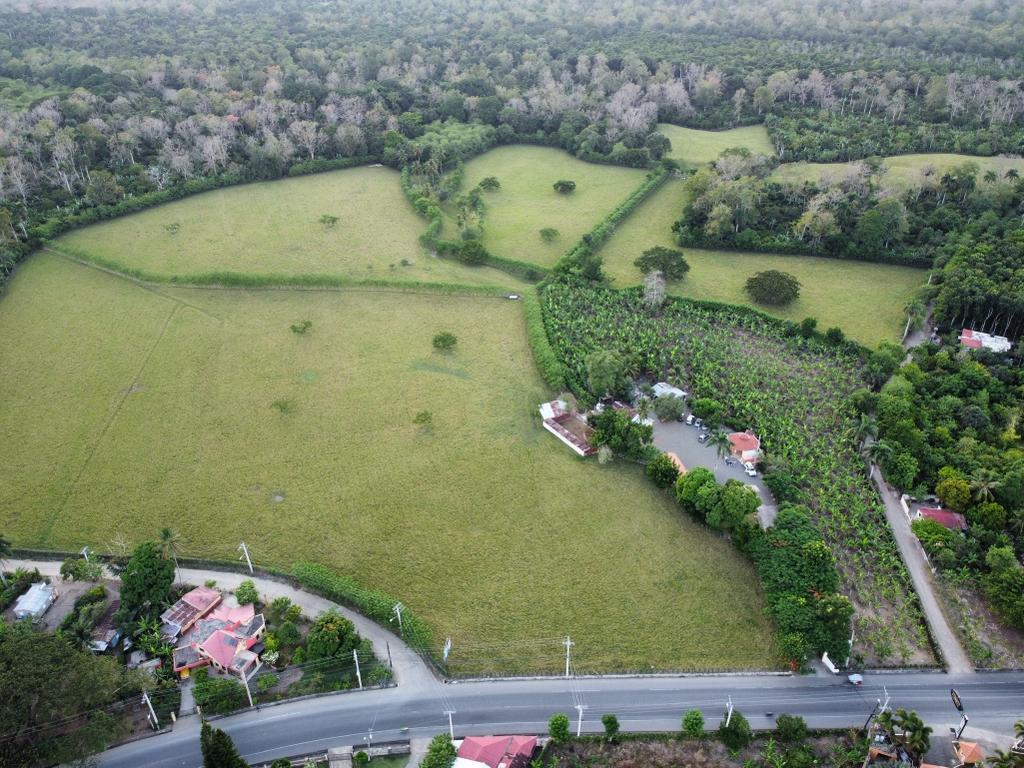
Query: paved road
x=992, y=701
x=953, y=654
x=409, y=669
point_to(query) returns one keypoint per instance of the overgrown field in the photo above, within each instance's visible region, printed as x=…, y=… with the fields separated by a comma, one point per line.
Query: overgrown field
x=527, y=203
x=694, y=147
x=276, y=228
x=866, y=300
x=125, y=409
x=794, y=393
x=904, y=171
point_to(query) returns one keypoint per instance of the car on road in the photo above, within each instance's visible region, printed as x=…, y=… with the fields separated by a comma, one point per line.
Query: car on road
x=730, y=461
x=749, y=469
x=703, y=437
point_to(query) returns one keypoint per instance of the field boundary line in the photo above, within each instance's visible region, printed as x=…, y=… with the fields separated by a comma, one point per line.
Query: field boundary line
x=110, y=420
x=146, y=286
x=397, y=287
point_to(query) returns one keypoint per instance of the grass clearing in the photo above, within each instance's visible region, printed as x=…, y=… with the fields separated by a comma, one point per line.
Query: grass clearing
x=527, y=203
x=275, y=228
x=866, y=300
x=693, y=147
x=128, y=409
x=902, y=170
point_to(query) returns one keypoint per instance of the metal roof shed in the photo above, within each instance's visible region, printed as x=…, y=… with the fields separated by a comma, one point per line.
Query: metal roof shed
x=35, y=602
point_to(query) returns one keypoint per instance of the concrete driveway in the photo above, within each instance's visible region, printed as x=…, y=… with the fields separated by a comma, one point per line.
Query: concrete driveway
x=681, y=440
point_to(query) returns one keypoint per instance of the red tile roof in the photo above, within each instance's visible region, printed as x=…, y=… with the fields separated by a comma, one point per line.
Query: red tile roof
x=744, y=441
x=945, y=517
x=509, y=751
x=969, y=752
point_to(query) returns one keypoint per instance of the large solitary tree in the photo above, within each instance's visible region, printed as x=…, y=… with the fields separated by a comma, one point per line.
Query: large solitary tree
x=145, y=583
x=669, y=261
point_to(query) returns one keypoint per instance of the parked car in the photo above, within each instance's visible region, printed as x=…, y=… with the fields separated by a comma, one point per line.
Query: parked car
x=689, y=419
x=749, y=469
x=698, y=423
x=730, y=461
x=703, y=437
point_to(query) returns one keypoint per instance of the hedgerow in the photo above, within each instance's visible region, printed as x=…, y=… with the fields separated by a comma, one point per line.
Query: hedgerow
x=550, y=367
x=378, y=606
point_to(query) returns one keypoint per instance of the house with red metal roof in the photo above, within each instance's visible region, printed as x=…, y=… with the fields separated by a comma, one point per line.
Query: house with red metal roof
x=495, y=752
x=977, y=340
x=190, y=608
x=745, y=445
x=228, y=640
x=944, y=517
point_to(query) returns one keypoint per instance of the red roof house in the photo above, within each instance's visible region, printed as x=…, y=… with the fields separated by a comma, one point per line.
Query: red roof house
x=224, y=640
x=745, y=445
x=180, y=617
x=496, y=751
x=945, y=517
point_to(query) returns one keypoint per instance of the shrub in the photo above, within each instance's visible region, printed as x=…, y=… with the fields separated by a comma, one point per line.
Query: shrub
x=445, y=341
x=662, y=471
x=281, y=762
x=360, y=758
x=611, y=726
x=564, y=186
x=441, y=752
x=669, y=407
x=790, y=728
x=737, y=734
x=217, y=696
x=558, y=728
x=933, y=535
x=331, y=635
x=773, y=287
x=549, y=234
x=835, y=336
x=489, y=184
x=77, y=569
x=473, y=253
x=265, y=682
x=277, y=609
x=246, y=593
x=708, y=409
x=693, y=724
x=288, y=634
x=549, y=364
x=302, y=328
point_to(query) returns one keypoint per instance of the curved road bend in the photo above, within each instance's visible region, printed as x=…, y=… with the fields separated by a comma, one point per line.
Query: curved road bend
x=993, y=701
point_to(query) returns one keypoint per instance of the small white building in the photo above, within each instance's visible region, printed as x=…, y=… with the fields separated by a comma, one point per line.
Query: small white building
x=664, y=389
x=977, y=340
x=35, y=602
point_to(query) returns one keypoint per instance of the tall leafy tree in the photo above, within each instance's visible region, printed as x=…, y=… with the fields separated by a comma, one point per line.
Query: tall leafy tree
x=145, y=583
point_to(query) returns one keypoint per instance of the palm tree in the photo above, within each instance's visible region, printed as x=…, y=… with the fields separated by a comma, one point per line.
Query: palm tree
x=169, y=546
x=1016, y=527
x=643, y=408
x=720, y=441
x=916, y=735
x=983, y=483
x=1013, y=173
x=878, y=452
x=867, y=426
x=990, y=177
x=1004, y=759
x=5, y=552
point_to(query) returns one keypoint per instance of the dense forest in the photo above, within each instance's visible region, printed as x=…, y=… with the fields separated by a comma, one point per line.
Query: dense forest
x=109, y=107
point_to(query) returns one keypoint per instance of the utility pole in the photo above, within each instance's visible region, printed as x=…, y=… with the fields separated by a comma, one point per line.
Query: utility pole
x=568, y=643
x=359, y=677
x=248, y=693
x=874, y=711
x=398, y=613
x=451, y=728
x=388, y=646
x=728, y=709
x=152, y=713
x=447, y=649
x=579, y=721
x=85, y=553
x=245, y=553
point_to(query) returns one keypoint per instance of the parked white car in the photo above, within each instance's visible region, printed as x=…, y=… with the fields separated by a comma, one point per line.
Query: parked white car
x=749, y=469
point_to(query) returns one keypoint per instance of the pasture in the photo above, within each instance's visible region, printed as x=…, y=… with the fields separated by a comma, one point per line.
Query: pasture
x=275, y=228
x=692, y=147
x=902, y=171
x=527, y=203
x=865, y=300
x=127, y=408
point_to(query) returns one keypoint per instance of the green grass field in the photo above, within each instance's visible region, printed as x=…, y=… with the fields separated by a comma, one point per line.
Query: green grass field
x=902, y=170
x=127, y=408
x=526, y=202
x=274, y=228
x=692, y=147
x=865, y=300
